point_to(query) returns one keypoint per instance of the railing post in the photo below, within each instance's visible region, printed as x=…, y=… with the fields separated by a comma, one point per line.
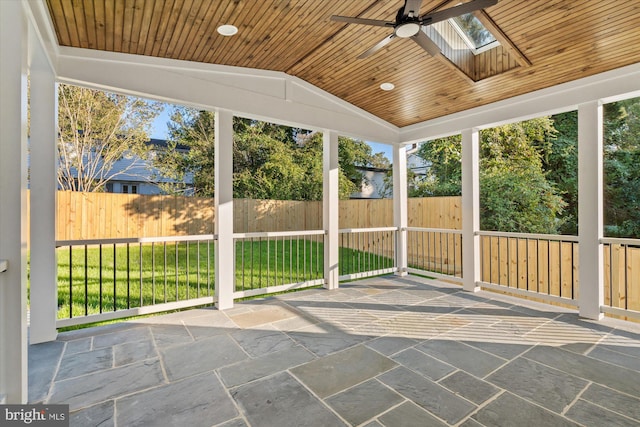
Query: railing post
x=223, y=175
x=470, y=209
x=13, y=202
x=400, y=207
x=590, y=210
x=330, y=207
x=43, y=183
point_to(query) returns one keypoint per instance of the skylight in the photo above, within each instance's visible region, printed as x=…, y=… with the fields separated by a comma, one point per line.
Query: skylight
x=475, y=35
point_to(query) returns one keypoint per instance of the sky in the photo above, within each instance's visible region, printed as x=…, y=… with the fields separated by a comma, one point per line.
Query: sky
x=159, y=131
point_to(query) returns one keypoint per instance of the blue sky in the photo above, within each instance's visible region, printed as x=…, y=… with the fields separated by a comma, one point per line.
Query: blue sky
x=159, y=131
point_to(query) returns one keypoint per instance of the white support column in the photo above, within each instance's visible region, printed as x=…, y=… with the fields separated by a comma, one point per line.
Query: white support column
x=590, y=209
x=225, y=253
x=330, y=201
x=43, y=183
x=470, y=210
x=13, y=202
x=400, y=206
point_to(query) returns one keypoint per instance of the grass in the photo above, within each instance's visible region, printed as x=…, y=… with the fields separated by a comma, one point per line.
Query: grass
x=118, y=277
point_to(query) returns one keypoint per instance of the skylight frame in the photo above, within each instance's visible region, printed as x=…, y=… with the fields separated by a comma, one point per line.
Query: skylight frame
x=467, y=40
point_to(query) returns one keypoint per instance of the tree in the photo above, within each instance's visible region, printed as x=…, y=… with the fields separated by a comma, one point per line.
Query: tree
x=269, y=161
x=561, y=166
x=515, y=194
x=621, y=172
x=95, y=130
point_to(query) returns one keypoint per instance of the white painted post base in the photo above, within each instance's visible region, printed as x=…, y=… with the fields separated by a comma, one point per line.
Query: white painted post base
x=330, y=213
x=470, y=210
x=400, y=219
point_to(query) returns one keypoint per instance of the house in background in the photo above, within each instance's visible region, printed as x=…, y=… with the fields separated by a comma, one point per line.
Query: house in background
x=134, y=175
x=375, y=184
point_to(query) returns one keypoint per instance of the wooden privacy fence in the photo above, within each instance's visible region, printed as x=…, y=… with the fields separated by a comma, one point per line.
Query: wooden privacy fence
x=546, y=266
x=107, y=215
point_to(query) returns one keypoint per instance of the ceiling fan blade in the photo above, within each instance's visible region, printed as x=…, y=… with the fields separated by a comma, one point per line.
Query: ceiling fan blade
x=385, y=41
x=412, y=6
x=426, y=43
x=362, y=21
x=443, y=15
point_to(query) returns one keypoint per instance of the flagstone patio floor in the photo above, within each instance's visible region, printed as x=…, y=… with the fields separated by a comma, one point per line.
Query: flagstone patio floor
x=384, y=351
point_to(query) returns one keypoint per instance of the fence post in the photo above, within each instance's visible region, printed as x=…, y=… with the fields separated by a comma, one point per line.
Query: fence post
x=330, y=207
x=590, y=209
x=470, y=209
x=13, y=209
x=400, y=207
x=44, y=267
x=223, y=175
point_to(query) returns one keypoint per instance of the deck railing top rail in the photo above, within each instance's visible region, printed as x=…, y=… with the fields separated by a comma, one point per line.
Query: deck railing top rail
x=619, y=241
x=435, y=230
x=160, y=239
x=558, y=237
x=264, y=234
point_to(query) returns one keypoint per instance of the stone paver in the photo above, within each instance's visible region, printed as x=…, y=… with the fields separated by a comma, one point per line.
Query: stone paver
x=546, y=386
x=280, y=400
x=431, y=396
x=508, y=411
x=195, y=401
x=331, y=374
x=185, y=360
x=423, y=364
x=380, y=352
x=364, y=401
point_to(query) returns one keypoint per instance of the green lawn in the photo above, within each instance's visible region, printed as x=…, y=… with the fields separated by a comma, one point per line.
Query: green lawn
x=140, y=275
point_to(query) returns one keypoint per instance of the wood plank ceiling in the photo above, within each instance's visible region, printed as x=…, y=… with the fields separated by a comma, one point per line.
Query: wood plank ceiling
x=555, y=41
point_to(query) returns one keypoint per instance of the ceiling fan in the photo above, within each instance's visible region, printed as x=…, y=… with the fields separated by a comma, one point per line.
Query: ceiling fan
x=409, y=23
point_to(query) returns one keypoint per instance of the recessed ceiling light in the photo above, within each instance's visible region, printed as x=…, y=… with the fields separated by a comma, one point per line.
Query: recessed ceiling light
x=227, y=30
x=387, y=86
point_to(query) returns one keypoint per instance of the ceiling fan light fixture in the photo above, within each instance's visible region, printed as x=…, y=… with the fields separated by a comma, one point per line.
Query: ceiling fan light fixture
x=387, y=86
x=408, y=29
x=227, y=30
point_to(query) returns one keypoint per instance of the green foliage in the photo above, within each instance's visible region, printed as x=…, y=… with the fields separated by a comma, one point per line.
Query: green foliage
x=95, y=130
x=621, y=171
x=561, y=166
x=515, y=194
x=269, y=161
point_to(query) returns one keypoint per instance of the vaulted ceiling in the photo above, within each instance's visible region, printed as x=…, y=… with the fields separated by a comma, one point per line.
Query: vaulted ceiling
x=543, y=43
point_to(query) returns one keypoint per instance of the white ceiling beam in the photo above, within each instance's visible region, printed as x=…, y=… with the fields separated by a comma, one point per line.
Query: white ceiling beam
x=259, y=94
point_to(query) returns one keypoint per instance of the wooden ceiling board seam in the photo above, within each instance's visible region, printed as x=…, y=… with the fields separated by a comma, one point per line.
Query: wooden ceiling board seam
x=249, y=44
x=81, y=23
x=262, y=49
x=142, y=33
x=137, y=27
x=109, y=25
x=221, y=43
x=118, y=25
x=146, y=46
x=90, y=16
x=68, y=13
x=158, y=39
x=178, y=30
x=553, y=23
x=200, y=38
x=169, y=28
x=59, y=23
x=297, y=35
x=127, y=26
x=191, y=29
x=99, y=12
x=209, y=30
